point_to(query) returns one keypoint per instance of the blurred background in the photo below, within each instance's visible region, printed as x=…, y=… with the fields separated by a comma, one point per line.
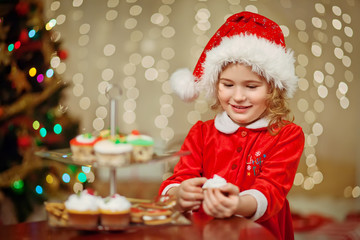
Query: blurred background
x=58, y=57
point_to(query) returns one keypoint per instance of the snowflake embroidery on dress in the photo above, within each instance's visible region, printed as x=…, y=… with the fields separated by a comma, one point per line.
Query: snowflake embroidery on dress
x=254, y=164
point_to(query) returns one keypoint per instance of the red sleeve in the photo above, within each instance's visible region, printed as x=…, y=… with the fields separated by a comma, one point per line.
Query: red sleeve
x=279, y=169
x=189, y=166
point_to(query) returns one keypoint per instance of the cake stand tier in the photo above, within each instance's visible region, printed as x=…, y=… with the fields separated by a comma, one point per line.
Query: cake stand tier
x=65, y=156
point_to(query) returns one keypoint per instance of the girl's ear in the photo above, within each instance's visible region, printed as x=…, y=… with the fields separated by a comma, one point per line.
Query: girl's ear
x=271, y=86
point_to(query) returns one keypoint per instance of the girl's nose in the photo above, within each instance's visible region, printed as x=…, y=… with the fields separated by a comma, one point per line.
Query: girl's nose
x=239, y=95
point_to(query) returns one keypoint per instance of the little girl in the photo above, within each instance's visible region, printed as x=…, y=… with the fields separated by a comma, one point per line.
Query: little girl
x=251, y=143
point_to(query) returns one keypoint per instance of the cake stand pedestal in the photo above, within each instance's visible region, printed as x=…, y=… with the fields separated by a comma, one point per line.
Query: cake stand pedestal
x=114, y=93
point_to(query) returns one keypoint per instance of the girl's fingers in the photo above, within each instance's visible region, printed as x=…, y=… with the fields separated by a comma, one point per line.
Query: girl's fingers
x=193, y=196
x=217, y=204
x=189, y=204
x=224, y=201
x=230, y=189
x=212, y=202
x=194, y=184
x=191, y=189
x=199, y=181
x=190, y=195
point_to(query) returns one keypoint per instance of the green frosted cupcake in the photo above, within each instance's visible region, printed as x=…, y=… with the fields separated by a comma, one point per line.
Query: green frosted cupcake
x=143, y=146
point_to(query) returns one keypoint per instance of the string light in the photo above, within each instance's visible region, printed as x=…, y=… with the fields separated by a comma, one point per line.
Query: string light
x=40, y=78
x=86, y=169
x=32, y=72
x=39, y=190
x=11, y=47
x=32, y=33
x=17, y=45
x=36, y=125
x=18, y=186
x=66, y=178
x=43, y=132
x=81, y=177
x=50, y=24
x=49, y=73
x=57, y=129
x=49, y=179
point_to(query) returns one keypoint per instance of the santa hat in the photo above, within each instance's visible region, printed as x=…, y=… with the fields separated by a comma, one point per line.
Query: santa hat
x=247, y=38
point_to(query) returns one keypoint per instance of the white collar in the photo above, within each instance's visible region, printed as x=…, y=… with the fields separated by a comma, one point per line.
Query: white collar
x=224, y=124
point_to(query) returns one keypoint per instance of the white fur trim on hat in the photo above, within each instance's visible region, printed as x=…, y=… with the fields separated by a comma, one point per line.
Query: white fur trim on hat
x=183, y=84
x=268, y=59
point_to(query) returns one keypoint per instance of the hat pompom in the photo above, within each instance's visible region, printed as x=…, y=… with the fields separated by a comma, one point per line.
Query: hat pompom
x=183, y=84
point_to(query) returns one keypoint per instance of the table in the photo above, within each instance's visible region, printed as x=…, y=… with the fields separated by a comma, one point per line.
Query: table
x=215, y=229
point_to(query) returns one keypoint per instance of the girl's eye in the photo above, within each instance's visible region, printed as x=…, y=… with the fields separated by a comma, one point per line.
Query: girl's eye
x=227, y=84
x=252, y=86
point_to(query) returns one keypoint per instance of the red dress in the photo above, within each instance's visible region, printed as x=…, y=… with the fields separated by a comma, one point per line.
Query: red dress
x=258, y=163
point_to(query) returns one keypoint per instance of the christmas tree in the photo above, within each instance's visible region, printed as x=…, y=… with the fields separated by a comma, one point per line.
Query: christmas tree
x=31, y=114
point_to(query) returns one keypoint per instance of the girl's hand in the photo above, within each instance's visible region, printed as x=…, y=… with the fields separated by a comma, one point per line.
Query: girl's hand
x=221, y=202
x=190, y=194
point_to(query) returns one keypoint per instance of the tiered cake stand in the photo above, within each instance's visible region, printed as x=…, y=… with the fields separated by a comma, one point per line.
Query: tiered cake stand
x=65, y=156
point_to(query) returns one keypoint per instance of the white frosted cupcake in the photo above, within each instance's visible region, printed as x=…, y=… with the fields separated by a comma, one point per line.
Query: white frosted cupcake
x=82, y=148
x=113, y=152
x=143, y=146
x=82, y=209
x=215, y=182
x=115, y=211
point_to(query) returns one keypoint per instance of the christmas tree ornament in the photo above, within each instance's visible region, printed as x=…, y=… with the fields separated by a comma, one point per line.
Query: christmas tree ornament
x=63, y=54
x=22, y=8
x=19, y=80
x=24, y=142
x=24, y=36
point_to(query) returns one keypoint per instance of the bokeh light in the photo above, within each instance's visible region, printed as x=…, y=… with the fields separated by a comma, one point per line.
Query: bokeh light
x=81, y=177
x=57, y=129
x=43, y=132
x=66, y=178
x=39, y=190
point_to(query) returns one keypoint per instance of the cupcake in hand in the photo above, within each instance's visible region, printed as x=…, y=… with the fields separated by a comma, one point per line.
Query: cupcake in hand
x=215, y=182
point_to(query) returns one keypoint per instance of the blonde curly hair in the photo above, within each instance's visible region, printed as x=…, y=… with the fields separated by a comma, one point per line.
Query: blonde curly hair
x=278, y=111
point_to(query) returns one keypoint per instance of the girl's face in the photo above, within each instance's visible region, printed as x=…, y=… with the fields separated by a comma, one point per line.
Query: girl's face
x=242, y=93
